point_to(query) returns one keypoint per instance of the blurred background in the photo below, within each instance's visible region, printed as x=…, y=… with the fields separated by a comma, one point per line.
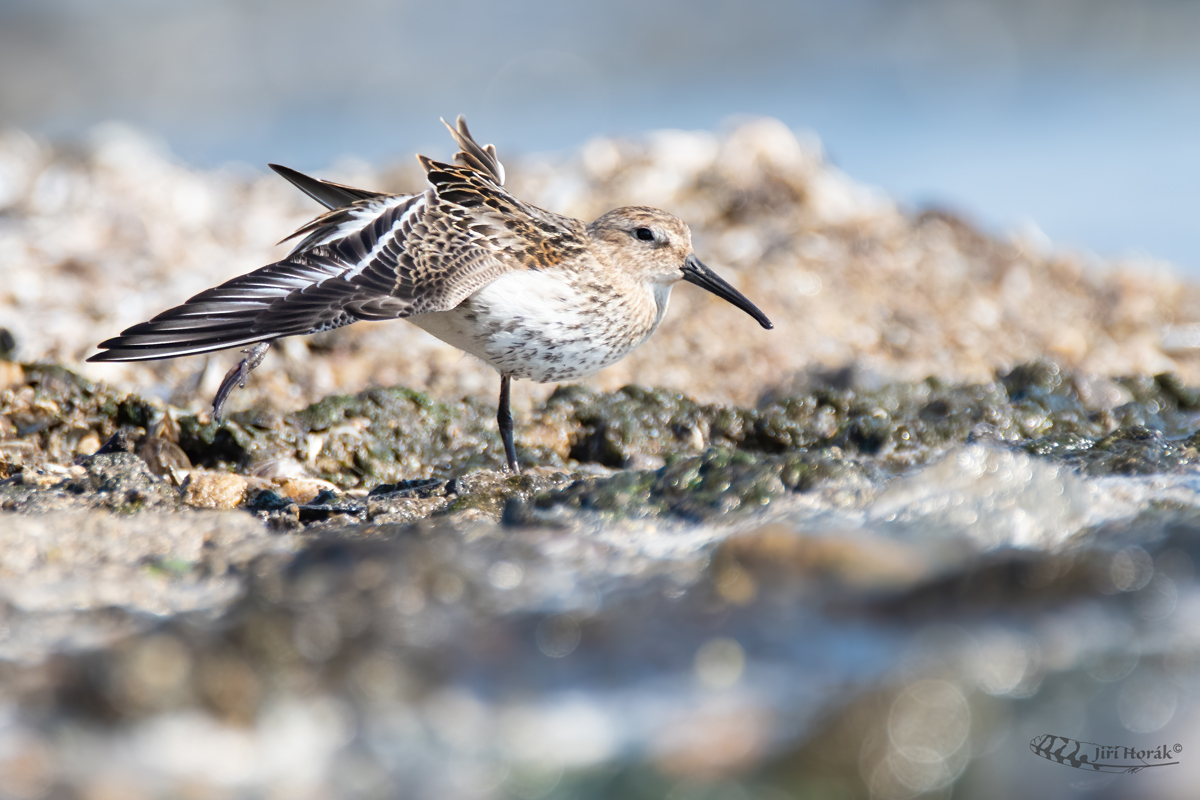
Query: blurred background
x=1078, y=117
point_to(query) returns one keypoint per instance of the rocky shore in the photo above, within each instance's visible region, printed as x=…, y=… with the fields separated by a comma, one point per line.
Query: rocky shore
x=949, y=505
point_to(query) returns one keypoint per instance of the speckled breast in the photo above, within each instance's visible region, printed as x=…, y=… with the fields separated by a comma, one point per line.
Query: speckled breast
x=539, y=326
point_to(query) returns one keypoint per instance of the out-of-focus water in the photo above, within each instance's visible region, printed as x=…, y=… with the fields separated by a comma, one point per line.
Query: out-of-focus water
x=1077, y=117
x=883, y=640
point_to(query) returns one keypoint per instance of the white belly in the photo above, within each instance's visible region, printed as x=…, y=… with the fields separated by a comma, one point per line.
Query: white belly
x=536, y=326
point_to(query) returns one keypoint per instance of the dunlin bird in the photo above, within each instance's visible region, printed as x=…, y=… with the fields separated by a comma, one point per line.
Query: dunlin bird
x=535, y=294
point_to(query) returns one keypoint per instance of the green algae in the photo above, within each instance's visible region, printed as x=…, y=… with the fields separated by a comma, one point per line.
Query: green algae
x=377, y=436
x=899, y=425
x=58, y=412
x=902, y=423
x=387, y=435
x=698, y=488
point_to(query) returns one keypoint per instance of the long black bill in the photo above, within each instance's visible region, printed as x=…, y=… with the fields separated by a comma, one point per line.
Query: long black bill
x=695, y=272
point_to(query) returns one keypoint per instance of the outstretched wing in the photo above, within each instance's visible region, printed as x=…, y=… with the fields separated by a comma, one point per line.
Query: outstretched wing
x=316, y=288
x=373, y=256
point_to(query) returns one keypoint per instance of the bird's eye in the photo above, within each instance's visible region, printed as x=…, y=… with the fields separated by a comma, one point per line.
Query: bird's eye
x=645, y=234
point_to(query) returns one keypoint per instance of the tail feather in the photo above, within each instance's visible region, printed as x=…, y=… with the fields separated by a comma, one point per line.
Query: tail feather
x=481, y=158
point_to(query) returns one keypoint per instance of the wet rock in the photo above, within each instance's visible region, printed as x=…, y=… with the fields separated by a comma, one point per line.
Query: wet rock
x=610, y=429
x=328, y=505
x=750, y=629
x=741, y=458
x=117, y=480
x=698, y=488
x=84, y=578
x=119, y=442
x=276, y=511
x=485, y=495
x=420, y=488
x=385, y=435
x=780, y=559
x=407, y=501
x=213, y=445
x=1135, y=450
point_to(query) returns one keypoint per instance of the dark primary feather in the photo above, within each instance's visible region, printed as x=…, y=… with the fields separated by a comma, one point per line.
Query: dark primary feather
x=327, y=193
x=371, y=256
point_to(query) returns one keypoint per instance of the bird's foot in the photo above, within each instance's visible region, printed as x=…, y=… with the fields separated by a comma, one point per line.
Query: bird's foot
x=237, y=376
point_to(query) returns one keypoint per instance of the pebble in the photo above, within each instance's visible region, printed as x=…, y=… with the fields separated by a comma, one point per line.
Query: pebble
x=11, y=374
x=221, y=490
x=303, y=490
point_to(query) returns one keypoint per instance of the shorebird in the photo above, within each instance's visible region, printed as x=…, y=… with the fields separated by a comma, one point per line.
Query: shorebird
x=537, y=295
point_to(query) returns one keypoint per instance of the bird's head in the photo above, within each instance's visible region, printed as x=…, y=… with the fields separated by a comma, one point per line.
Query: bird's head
x=656, y=248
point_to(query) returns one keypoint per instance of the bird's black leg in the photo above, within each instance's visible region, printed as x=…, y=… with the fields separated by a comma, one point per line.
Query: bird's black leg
x=237, y=376
x=505, y=423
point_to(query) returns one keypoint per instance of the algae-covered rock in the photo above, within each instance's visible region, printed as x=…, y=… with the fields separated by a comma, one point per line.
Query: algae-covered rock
x=59, y=413
x=611, y=551
x=119, y=482
x=611, y=428
x=898, y=425
x=486, y=494
x=1134, y=450
x=698, y=488
x=675, y=456
x=407, y=501
x=386, y=435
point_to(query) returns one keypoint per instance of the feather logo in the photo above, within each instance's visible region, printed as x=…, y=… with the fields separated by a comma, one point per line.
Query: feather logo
x=1103, y=757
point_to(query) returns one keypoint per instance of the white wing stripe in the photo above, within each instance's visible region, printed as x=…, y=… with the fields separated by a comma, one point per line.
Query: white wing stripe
x=418, y=203
x=360, y=218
